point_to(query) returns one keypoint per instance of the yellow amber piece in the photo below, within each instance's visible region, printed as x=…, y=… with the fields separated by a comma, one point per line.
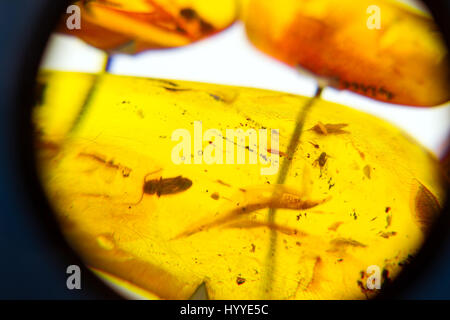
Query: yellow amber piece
x=404, y=61
x=359, y=192
x=136, y=25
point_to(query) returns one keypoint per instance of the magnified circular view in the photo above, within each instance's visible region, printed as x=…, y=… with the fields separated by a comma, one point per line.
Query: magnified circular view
x=245, y=149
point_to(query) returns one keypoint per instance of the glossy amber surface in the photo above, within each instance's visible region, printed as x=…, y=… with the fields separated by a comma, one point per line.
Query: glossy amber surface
x=403, y=62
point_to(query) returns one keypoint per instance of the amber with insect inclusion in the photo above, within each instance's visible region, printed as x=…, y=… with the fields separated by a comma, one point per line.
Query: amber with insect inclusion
x=136, y=25
x=359, y=191
x=404, y=62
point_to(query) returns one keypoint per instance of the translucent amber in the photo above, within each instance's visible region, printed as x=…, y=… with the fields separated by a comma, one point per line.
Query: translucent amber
x=403, y=62
x=359, y=192
x=137, y=25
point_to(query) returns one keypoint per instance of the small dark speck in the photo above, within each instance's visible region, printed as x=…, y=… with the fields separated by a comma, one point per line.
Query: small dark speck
x=174, y=89
x=206, y=27
x=315, y=145
x=180, y=29
x=215, y=97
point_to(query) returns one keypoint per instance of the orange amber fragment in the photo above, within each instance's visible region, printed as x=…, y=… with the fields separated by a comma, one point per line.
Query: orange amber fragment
x=137, y=25
x=404, y=61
